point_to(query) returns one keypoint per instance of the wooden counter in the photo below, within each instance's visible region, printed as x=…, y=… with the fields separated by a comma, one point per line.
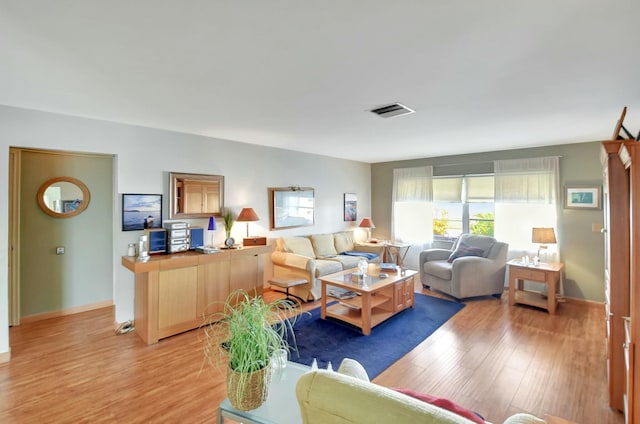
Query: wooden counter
x=174, y=293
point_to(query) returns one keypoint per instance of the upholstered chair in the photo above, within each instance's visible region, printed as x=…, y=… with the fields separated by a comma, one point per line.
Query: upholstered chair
x=475, y=266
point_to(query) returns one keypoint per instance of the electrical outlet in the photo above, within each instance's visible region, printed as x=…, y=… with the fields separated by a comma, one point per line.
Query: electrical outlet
x=59, y=250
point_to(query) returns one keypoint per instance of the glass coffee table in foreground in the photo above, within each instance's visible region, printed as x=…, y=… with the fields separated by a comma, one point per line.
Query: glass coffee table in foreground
x=281, y=406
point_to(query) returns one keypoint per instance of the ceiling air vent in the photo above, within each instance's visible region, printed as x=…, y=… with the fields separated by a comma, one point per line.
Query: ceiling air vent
x=395, y=109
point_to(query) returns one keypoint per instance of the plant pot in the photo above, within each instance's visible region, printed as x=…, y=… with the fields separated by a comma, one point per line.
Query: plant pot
x=248, y=391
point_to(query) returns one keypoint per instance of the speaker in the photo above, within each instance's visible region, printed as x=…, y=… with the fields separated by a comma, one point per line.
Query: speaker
x=157, y=239
x=196, y=237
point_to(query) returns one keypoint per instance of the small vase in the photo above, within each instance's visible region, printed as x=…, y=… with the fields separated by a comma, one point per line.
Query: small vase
x=248, y=391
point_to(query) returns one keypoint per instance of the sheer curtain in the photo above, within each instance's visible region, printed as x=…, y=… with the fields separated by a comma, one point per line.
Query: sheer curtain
x=526, y=196
x=412, y=210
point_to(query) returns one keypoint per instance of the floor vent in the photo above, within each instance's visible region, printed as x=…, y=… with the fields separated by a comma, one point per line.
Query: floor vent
x=395, y=109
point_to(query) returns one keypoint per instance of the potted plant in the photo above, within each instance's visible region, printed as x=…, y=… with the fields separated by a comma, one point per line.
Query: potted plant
x=228, y=224
x=242, y=338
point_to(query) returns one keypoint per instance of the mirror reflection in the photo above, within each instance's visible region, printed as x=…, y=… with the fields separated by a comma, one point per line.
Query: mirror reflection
x=63, y=197
x=195, y=195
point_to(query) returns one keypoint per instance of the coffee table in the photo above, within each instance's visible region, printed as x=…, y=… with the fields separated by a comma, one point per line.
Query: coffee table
x=281, y=406
x=378, y=298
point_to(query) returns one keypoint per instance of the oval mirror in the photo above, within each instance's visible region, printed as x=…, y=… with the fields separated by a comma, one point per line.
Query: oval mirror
x=63, y=197
x=195, y=195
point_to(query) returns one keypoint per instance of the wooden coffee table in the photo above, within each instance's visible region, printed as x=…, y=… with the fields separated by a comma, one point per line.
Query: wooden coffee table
x=378, y=300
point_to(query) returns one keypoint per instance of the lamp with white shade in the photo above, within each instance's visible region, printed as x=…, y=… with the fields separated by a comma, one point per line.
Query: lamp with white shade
x=543, y=236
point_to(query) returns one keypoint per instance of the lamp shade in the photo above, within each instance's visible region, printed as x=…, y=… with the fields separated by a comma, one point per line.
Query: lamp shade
x=212, y=224
x=367, y=223
x=543, y=235
x=247, y=214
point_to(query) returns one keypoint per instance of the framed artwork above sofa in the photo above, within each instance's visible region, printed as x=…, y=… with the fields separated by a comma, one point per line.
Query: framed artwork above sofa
x=291, y=207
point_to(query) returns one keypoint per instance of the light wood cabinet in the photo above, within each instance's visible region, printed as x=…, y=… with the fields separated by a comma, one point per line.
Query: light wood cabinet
x=174, y=293
x=403, y=294
x=616, y=204
x=630, y=156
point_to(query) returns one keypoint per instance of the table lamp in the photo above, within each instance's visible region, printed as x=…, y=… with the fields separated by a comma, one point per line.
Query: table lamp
x=543, y=236
x=247, y=215
x=368, y=224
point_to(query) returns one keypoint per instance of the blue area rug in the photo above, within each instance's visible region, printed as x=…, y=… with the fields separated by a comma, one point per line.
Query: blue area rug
x=332, y=340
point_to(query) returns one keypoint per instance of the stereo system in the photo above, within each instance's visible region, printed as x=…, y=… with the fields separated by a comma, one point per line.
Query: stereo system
x=177, y=236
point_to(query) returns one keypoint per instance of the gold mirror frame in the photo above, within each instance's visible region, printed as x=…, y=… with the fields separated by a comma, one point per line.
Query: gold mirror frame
x=179, y=198
x=86, y=197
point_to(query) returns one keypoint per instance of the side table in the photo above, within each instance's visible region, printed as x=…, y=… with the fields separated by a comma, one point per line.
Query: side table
x=545, y=273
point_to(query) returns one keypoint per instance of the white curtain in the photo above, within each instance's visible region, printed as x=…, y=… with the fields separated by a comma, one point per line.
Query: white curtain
x=526, y=196
x=412, y=210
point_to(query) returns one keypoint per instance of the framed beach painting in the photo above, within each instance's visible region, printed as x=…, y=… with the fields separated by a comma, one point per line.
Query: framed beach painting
x=140, y=211
x=350, y=207
x=582, y=197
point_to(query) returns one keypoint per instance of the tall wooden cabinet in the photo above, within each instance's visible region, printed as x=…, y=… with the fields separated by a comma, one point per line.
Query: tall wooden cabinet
x=630, y=156
x=617, y=268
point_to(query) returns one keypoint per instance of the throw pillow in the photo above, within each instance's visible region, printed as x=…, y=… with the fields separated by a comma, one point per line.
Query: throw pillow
x=343, y=241
x=465, y=250
x=444, y=404
x=323, y=245
x=353, y=368
x=299, y=246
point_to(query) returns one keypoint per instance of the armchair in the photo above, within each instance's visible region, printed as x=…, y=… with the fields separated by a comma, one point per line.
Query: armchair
x=475, y=266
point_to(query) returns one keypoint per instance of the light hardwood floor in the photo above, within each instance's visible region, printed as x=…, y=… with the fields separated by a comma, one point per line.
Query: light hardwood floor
x=495, y=359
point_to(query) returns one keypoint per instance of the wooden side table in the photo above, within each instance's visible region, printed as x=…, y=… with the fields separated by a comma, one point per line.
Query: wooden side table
x=545, y=273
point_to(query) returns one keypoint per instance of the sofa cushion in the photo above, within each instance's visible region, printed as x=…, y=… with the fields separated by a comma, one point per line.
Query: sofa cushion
x=444, y=404
x=326, y=266
x=440, y=269
x=483, y=242
x=346, y=261
x=323, y=245
x=354, y=369
x=466, y=250
x=299, y=246
x=343, y=241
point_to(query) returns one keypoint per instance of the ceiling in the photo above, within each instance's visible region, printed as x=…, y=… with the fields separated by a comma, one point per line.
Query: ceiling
x=303, y=75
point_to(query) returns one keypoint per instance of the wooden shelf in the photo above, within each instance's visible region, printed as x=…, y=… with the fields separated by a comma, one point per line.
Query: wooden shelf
x=354, y=316
x=532, y=298
x=376, y=300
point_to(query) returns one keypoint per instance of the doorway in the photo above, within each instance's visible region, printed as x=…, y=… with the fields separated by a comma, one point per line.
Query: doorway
x=59, y=264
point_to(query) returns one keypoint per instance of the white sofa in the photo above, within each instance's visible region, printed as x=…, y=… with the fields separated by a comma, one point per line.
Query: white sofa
x=327, y=397
x=311, y=257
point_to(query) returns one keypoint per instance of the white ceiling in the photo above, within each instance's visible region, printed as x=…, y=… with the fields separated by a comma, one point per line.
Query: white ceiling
x=301, y=75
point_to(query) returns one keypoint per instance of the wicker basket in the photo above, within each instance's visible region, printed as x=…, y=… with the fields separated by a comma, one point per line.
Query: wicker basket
x=254, y=389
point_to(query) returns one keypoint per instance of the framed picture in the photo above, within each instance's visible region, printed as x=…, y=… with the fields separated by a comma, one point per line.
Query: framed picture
x=350, y=207
x=140, y=211
x=70, y=205
x=582, y=197
x=291, y=207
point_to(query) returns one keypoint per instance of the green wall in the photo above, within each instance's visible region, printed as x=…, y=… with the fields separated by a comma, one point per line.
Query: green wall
x=83, y=274
x=581, y=249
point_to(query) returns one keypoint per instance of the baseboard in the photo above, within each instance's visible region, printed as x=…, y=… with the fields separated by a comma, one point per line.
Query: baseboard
x=67, y=311
x=5, y=357
x=582, y=302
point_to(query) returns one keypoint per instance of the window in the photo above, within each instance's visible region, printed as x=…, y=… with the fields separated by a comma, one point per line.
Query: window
x=463, y=204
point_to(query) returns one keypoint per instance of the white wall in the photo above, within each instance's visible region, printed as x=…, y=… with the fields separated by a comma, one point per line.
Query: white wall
x=144, y=158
